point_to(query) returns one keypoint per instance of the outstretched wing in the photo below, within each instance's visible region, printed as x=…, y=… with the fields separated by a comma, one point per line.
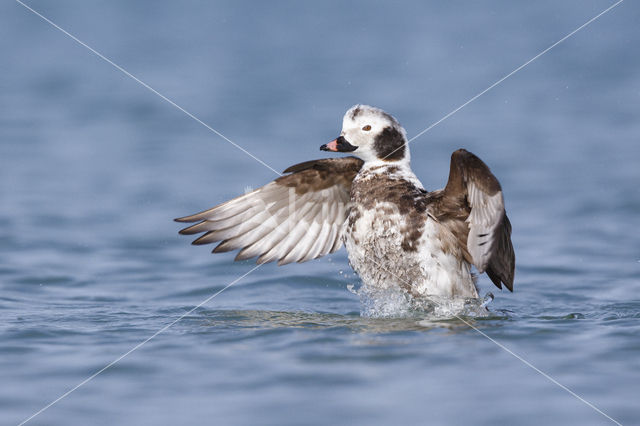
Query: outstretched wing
x=473, y=187
x=295, y=218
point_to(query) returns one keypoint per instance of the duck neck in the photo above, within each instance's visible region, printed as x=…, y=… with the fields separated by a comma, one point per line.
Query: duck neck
x=400, y=169
x=378, y=164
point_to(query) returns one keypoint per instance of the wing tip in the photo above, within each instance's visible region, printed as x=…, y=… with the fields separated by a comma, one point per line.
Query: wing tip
x=508, y=282
x=261, y=260
x=191, y=218
x=190, y=230
x=199, y=241
x=223, y=247
x=243, y=255
x=459, y=151
x=499, y=279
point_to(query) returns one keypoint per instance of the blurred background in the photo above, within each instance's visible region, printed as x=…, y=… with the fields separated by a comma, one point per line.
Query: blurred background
x=93, y=167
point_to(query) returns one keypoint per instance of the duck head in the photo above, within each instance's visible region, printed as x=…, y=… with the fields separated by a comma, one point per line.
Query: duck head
x=372, y=135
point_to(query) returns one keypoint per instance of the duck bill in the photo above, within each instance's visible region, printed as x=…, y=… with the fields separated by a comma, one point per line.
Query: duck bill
x=338, y=145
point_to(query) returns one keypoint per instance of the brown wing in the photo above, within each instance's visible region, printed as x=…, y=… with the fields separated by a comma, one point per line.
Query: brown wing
x=295, y=218
x=473, y=195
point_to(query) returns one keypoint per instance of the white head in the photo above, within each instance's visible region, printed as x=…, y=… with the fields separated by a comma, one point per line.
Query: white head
x=372, y=135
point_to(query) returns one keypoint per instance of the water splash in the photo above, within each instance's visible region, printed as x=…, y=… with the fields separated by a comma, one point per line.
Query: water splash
x=397, y=303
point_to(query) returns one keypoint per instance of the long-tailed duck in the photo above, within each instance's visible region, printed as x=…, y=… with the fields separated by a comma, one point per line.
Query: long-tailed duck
x=396, y=233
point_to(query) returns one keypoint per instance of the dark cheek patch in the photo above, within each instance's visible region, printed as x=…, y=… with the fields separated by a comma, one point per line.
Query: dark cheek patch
x=390, y=144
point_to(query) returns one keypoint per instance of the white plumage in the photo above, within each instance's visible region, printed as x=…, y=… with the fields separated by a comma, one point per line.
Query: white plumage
x=396, y=233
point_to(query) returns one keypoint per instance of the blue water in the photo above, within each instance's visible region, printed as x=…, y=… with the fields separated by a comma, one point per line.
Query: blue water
x=93, y=167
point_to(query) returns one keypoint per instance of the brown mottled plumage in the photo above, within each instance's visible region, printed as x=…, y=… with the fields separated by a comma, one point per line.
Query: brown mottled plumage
x=396, y=232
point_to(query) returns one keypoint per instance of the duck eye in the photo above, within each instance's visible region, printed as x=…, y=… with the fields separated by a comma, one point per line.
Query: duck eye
x=366, y=128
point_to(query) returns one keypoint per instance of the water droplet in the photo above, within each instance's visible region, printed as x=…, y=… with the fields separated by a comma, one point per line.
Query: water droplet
x=488, y=298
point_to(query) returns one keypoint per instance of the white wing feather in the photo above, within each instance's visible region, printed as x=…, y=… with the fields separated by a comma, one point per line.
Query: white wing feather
x=276, y=223
x=486, y=215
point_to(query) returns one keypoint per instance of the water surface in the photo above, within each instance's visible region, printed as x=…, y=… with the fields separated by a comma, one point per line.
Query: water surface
x=93, y=167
